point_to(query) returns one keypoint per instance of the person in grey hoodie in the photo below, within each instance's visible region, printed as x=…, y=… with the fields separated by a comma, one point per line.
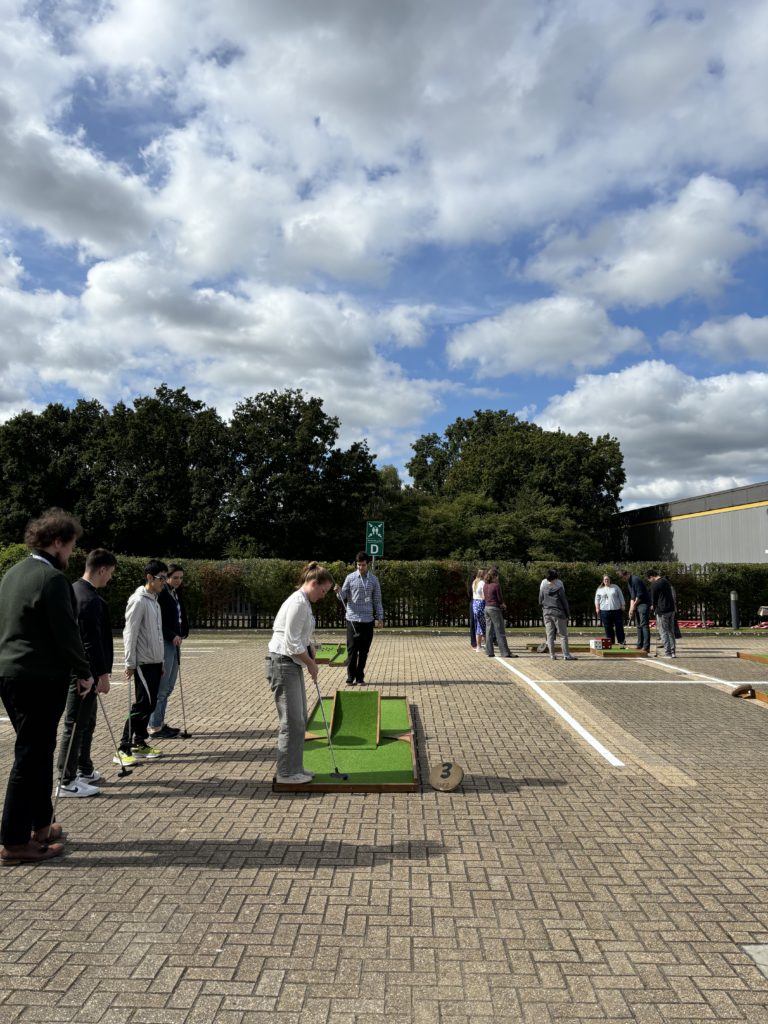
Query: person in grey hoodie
x=144, y=653
x=554, y=605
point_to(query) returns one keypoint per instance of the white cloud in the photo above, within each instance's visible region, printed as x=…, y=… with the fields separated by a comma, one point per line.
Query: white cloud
x=728, y=340
x=669, y=249
x=299, y=155
x=139, y=323
x=680, y=436
x=547, y=336
x=486, y=124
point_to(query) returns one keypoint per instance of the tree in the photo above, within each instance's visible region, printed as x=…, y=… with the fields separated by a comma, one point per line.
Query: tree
x=294, y=493
x=42, y=463
x=550, y=494
x=147, y=479
x=160, y=477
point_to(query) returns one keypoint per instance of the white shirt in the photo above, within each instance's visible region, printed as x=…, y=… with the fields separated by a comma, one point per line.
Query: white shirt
x=293, y=627
x=609, y=599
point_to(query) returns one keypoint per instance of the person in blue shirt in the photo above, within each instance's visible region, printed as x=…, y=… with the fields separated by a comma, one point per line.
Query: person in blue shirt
x=639, y=606
x=361, y=594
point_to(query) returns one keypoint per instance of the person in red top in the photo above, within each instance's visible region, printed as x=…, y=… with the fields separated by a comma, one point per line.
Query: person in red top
x=494, y=615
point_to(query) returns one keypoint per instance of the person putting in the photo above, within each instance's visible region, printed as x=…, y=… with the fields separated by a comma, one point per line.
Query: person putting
x=361, y=594
x=290, y=652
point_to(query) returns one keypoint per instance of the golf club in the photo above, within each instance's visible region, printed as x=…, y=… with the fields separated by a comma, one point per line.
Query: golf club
x=123, y=770
x=350, y=621
x=335, y=773
x=184, y=735
x=64, y=764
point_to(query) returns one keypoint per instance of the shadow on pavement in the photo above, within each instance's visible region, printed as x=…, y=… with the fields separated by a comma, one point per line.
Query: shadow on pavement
x=198, y=852
x=506, y=784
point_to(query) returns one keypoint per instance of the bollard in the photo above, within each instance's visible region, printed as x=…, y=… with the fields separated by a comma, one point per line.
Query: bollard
x=735, y=609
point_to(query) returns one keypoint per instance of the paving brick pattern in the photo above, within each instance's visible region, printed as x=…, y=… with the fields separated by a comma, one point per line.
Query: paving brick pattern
x=551, y=887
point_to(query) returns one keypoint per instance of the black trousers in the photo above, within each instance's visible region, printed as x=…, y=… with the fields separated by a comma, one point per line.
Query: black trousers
x=146, y=682
x=80, y=715
x=359, y=639
x=34, y=708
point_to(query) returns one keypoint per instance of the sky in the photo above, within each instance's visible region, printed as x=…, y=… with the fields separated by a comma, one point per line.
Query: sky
x=413, y=209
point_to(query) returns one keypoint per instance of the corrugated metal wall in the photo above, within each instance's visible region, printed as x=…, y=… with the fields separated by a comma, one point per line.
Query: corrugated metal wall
x=735, y=534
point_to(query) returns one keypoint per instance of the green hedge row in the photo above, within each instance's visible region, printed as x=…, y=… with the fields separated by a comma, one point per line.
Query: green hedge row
x=247, y=593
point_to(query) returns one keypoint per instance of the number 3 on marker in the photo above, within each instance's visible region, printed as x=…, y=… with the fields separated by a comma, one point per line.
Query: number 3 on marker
x=447, y=766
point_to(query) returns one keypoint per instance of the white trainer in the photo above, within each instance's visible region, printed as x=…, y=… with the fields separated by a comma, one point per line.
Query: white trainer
x=89, y=779
x=77, y=788
x=300, y=779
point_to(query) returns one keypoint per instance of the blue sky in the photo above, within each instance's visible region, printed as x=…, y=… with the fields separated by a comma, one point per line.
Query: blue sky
x=411, y=209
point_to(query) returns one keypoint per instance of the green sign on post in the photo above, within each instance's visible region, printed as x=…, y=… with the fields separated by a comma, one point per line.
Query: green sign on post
x=374, y=538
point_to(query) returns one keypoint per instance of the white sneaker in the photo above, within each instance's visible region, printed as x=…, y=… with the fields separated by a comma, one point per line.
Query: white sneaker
x=300, y=779
x=77, y=788
x=92, y=777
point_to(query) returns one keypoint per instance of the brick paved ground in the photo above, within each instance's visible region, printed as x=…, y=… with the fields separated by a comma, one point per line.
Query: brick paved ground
x=551, y=887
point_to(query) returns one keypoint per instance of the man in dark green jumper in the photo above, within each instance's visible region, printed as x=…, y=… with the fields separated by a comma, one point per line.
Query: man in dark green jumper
x=40, y=651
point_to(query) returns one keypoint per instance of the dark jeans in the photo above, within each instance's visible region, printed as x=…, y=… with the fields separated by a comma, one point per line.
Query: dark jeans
x=146, y=680
x=357, y=649
x=613, y=624
x=80, y=714
x=34, y=708
x=643, y=629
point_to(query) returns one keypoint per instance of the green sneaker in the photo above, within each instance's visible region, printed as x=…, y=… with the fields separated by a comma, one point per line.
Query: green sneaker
x=146, y=753
x=123, y=759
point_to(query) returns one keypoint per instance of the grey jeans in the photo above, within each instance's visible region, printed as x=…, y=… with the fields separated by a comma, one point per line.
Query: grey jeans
x=556, y=625
x=494, y=629
x=286, y=679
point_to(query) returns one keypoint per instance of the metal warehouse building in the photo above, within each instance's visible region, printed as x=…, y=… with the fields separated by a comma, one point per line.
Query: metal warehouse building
x=727, y=526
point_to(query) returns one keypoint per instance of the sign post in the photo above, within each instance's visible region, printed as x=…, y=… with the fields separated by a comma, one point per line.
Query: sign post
x=374, y=538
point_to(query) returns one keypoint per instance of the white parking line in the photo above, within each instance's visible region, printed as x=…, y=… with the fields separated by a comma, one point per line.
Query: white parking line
x=576, y=726
x=700, y=675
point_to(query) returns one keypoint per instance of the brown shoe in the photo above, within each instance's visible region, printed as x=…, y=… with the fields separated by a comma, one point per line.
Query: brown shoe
x=48, y=833
x=30, y=853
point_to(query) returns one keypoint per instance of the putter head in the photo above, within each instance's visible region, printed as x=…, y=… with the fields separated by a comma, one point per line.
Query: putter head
x=184, y=735
x=339, y=775
x=124, y=771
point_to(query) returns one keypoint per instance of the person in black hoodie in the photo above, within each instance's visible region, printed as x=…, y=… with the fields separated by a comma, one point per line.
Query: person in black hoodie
x=663, y=602
x=78, y=774
x=175, y=630
x=40, y=651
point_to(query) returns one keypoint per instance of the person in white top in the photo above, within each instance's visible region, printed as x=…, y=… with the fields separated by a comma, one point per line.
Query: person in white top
x=609, y=605
x=290, y=652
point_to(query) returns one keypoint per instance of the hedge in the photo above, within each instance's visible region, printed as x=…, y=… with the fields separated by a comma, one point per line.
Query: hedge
x=247, y=593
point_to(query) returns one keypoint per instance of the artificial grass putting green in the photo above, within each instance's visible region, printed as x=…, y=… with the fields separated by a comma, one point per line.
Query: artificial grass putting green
x=390, y=762
x=331, y=654
x=353, y=717
x=394, y=715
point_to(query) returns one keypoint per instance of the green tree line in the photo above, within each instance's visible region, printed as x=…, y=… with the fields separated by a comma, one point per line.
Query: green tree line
x=167, y=473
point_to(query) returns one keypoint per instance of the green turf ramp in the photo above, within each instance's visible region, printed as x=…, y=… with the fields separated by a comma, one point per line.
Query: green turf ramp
x=356, y=719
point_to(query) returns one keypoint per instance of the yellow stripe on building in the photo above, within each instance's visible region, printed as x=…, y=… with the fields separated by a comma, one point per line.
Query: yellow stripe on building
x=697, y=515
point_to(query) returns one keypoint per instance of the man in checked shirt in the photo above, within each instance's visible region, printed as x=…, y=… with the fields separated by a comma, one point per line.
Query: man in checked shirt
x=361, y=594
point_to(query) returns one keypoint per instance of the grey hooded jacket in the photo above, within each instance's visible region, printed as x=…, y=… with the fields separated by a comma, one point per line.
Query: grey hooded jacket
x=143, y=632
x=552, y=598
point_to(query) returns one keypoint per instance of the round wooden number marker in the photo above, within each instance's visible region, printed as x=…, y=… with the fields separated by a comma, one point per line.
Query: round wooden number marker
x=446, y=776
